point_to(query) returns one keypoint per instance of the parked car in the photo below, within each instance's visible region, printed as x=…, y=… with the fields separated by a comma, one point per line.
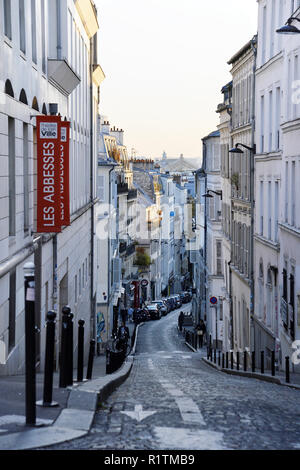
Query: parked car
x=154, y=311
x=171, y=302
x=161, y=304
x=141, y=315
x=178, y=301
x=185, y=297
x=168, y=306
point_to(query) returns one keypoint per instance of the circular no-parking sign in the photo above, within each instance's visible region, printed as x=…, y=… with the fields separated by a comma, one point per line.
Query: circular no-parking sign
x=213, y=300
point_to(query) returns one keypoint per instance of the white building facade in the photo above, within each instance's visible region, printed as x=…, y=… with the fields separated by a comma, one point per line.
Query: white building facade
x=50, y=56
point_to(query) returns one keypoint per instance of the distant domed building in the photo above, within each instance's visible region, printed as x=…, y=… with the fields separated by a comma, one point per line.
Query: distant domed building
x=175, y=166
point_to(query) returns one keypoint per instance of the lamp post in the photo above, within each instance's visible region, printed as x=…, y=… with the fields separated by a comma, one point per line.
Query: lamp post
x=289, y=28
x=30, y=379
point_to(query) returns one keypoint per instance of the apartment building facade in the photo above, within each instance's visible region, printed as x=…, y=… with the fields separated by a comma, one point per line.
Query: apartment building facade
x=50, y=54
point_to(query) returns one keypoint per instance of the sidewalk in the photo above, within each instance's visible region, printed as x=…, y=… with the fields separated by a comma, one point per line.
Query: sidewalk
x=71, y=419
x=279, y=377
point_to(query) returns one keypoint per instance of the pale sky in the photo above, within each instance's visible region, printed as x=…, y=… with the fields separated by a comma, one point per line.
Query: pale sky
x=165, y=63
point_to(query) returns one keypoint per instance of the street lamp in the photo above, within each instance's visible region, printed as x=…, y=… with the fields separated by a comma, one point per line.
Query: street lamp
x=236, y=149
x=288, y=28
x=218, y=193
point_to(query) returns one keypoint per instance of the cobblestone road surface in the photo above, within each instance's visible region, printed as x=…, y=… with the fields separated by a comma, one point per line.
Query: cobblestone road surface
x=172, y=400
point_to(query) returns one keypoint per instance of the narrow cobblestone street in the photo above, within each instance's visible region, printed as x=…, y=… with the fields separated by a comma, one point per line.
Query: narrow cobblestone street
x=172, y=400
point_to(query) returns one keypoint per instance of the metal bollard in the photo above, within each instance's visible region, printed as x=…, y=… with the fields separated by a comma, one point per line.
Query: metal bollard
x=287, y=369
x=227, y=360
x=223, y=360
x=232, y=360
x=30, y=353
x=253, y=361
x=262, y=362
x=245, y=361
x=207, y=353
x=49, y=362
x=238, y=360
x=70, y=350
x=91, y=359
x=80, y=355
x=63, y=366
x=215, y=356
x=273, y=363
x=219, y=361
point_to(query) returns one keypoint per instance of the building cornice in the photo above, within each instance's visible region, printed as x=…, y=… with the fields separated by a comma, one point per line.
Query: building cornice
x=269, y=243
x=266, y=157
x=290, y=126
x=288, y=228
x=270, y=62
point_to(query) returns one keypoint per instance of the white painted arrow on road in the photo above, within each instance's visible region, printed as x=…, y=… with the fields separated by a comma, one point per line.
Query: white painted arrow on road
x=138, y=414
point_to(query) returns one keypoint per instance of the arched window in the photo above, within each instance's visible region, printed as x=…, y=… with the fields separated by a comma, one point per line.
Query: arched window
x=35, y=104
x=44, y=109
x=23, y=97
x=9, y=89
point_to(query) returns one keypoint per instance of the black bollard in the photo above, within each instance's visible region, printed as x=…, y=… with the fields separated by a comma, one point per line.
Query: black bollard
x=215, y=356
x=227, y=360
x=219, y=361
x=287, y=369
x=30, y=357
x=70, y=349
x=207, y=353
x=253, y=361
x=237, y=360
x=232, y=360
x=49, y=362
x=223, y=360
x=262, y=362
x=63, y=366
x=80, y=352
x=273, y=363
x=91, y=359
x=245, y=361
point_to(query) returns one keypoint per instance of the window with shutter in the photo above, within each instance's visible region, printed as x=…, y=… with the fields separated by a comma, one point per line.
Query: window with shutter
x=219, y=258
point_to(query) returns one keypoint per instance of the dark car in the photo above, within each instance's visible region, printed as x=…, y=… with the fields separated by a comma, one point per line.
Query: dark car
x=162, y=306
x=185, y=297
x=171, y=302
x=154, y=311
x=141, y=315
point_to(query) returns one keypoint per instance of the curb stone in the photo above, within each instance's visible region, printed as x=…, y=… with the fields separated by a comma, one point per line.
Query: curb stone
x=251, y=375
x=76, y=419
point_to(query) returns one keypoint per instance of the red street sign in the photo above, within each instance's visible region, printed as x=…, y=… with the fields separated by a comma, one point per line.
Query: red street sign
x=48, y=187
x=64, y=173
x=213, y=300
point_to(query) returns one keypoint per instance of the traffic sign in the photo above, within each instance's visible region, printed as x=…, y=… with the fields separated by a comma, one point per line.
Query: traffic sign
x=213, y=300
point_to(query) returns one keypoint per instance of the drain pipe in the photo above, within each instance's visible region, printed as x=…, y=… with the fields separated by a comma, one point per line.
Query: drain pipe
x=58, y=29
